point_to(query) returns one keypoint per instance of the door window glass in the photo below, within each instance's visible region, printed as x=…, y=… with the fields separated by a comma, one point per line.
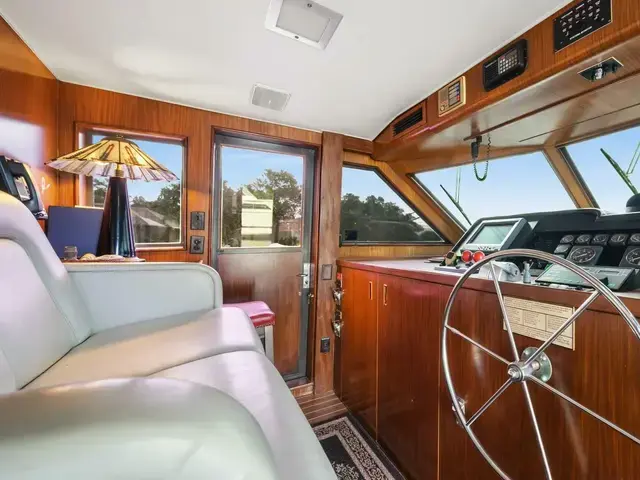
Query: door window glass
x=262, y=198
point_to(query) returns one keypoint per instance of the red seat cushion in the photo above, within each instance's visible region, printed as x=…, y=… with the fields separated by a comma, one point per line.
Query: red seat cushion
x=259, y=312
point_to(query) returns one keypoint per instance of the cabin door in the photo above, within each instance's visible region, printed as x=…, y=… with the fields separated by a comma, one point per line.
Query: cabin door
x=262, y=229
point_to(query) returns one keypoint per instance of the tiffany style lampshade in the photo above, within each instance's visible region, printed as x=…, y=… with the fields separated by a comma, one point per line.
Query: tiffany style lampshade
x=117, y=158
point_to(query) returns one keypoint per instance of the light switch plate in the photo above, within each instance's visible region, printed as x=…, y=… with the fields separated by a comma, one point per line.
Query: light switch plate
x=196, y=244
x=197, y=220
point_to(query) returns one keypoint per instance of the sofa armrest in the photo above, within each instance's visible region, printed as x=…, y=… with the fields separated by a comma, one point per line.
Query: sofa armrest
x=131, y=428
x=123, y=293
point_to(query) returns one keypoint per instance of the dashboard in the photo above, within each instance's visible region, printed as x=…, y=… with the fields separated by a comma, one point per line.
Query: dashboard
x=606, y=245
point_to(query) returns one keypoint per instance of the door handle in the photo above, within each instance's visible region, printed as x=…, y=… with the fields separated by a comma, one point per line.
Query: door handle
x=384, y=294
x=370, y=290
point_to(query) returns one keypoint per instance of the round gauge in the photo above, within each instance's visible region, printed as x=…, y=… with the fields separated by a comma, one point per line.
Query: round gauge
x=618, y=239
x=633, y=256
x=583, y=239
x=562, y=249
x=567, y=239
x=600, y=239
x=635, y=238
x=582, y=255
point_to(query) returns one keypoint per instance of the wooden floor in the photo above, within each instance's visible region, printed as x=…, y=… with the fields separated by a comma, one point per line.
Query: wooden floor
x=321, y=408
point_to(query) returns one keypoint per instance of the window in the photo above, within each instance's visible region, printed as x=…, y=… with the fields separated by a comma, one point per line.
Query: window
x=156, y=207
x=262, y=198
x=514, y=185
x=608, y=165
x=372, y=212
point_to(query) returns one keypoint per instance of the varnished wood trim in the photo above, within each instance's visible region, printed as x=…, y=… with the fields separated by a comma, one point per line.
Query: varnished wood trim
x=393, y=251
x=302, y=390
x=321, y=408
x=358, y=145
x=16, y=56
x=407, y=188
x=569, y=179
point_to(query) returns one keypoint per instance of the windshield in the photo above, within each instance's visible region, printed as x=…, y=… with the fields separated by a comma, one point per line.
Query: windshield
x=607, y=164
x=514, y=186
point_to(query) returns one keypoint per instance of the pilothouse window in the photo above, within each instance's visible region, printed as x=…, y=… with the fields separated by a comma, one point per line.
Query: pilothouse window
x=608, y=166
x=514, y=186
x=371, y=212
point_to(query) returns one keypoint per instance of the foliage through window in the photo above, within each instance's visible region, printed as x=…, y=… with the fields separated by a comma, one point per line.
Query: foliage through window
x=608, y=166
x=372, y=212
x=261, y=198
x=156, y=207
x=514, y=185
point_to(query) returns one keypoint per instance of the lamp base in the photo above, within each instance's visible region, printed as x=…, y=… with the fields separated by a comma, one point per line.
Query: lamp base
x=116, y=232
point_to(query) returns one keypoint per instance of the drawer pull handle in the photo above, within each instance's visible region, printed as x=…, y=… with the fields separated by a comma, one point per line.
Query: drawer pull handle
x=370, y=290
x=384, y=294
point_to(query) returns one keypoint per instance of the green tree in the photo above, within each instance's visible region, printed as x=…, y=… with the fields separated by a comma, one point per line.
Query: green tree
x=283, y=188
x=375, y=219
x=168, y=202
x=99, y=191
x=231, y=215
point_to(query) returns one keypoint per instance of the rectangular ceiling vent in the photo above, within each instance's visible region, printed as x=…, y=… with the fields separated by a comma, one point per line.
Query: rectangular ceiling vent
x=407, y=122
x=268, y=97
x=303, y=20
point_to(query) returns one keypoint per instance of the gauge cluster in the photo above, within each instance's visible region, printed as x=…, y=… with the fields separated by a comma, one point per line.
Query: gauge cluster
x=587, y=249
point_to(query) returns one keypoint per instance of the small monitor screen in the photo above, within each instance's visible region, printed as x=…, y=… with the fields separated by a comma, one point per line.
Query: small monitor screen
x=492, y=234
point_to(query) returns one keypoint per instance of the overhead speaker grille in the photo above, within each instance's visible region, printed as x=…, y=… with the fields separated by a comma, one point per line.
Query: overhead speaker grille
x=267, y=97
x=407, y=122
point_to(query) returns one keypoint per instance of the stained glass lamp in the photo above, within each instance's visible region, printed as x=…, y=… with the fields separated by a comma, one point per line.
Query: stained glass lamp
x=117, y=158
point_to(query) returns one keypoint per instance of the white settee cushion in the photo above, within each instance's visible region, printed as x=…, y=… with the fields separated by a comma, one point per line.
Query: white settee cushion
x=144, y=348
x=251, y=379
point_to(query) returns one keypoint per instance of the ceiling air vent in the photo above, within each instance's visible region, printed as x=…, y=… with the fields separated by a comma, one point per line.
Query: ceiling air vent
x=407, y=122
x=268, y=97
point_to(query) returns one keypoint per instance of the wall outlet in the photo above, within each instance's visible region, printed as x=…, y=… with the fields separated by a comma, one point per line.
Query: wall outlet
x=197, y=220
x=325, y=345
x=197, y=244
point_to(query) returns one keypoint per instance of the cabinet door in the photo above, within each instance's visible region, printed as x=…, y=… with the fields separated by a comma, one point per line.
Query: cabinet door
x=358, y=345
x=409, y=326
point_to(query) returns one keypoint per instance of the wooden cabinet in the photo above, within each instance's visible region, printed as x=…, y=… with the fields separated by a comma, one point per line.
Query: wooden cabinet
x=358, y=342
x=390, y=361
x=409, y=318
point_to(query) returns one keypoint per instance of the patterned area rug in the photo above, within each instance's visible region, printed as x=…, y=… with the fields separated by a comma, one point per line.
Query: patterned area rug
x=353, y=453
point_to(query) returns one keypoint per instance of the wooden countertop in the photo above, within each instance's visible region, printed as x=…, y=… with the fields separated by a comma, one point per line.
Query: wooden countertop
x=421, y=269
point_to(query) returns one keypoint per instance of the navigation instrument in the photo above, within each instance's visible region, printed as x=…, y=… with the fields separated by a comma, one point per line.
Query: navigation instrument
x=494, y=235
x=635, y=239
x=585, y=255
x=618, y=239
x=562, y=249
x=631, y=258
x=568, y=239
x=600, y=239
x=583, y=239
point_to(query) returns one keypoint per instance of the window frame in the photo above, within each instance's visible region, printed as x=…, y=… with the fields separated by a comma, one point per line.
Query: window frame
x=402, y=197
x=83, y=131
x=308, y=154
x=452, y=217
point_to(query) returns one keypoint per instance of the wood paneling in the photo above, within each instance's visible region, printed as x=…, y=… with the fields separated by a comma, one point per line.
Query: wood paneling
x=357, y=145
x=393, y=251
x=358, y=345
x=28, y=107
x=16, y=56
x=539, y=87
x=108, y=109
x=414, y=194
x=408, y=372
x=321, y=408
x=569, y=179
x=328, y=251
x=602, y=373
x=272, y=279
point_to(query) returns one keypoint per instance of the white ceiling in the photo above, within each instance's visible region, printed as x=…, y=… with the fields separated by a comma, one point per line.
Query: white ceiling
x=385, y=56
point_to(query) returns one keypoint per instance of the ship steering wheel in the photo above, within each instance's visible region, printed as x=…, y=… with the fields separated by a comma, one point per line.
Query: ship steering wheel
x=532, y=365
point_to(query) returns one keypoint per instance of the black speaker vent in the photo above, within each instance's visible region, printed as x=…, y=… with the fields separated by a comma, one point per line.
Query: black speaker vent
x=407, y=122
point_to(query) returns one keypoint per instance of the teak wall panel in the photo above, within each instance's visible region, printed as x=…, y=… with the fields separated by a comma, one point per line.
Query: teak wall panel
x=393, y=251
x=106, y=109
x=328, y=252
x=28, y=108
x=544, y=64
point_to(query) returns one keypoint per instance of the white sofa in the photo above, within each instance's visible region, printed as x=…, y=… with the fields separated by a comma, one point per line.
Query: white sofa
x=135, y=371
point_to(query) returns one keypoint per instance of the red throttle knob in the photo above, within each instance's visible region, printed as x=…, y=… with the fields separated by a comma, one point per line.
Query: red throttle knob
x=467, y=256
x=479, y=255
